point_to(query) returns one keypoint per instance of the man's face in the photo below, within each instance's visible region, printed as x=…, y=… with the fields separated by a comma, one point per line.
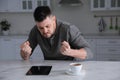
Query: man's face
x=47, y=27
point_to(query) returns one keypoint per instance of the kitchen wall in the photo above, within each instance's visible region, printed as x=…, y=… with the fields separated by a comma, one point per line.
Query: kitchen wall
x=81, y=16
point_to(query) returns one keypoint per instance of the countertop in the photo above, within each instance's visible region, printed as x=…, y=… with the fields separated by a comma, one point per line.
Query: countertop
x=92, y=70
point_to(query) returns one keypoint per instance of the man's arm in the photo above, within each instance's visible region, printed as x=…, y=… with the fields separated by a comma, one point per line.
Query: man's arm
x=77, y=53
x=76, y=46
x=26, y=50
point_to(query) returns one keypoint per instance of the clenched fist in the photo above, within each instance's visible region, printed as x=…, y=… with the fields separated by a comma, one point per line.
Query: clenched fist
x=25, y=50
x=65, y=48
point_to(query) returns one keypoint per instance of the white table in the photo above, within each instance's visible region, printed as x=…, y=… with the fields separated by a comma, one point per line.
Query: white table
x=93, y=70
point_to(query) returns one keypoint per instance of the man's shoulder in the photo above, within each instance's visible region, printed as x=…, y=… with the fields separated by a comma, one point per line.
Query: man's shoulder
x=63, y=24
x=34, y=30
x=34, y=27
x=66, y=25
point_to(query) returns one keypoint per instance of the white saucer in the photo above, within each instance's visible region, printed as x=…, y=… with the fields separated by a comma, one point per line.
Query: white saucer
x=82, y=73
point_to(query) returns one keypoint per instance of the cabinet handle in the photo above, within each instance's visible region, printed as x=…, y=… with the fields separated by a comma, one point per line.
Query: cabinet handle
x=112, y=59
x=112, y=42
x=7, y=39
x=112, y=50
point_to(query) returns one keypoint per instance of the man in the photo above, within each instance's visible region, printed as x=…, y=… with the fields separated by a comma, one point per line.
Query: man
x=57, y=40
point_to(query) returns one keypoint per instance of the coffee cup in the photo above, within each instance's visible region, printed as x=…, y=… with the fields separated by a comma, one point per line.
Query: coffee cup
x=75, y=68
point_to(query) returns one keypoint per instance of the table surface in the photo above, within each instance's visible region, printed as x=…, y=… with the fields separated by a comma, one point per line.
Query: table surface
x=92, y=70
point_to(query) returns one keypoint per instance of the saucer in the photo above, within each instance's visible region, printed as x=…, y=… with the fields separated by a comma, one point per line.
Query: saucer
x=82, y=72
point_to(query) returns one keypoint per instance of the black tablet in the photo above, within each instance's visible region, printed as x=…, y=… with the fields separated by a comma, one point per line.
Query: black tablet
x=39, y=70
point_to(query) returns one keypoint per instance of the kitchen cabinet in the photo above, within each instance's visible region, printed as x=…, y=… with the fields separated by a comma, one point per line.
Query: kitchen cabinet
x=3, y=5
x=10, y=49
x=104, y=48
x=6, y=48
x=17, y=43
x=37, y=54
x=92, y=43
x=13, y=6
x=21, y=5
x=30, y=5
x=115, y=4
x=9, y=5
x=98, y=5
x=108, y=49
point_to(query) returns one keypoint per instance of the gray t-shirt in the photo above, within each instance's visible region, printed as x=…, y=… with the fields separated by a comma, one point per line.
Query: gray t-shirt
x=51, y=46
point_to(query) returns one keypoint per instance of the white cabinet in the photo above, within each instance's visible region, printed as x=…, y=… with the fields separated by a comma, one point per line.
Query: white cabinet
x=115, y=4
x=21, y=5
x=17, y=43
x=30, y=5
x=9, y=5
x=13, y=5
x=108, y=49
x=6, y=49
x=37, y=54
x=97, y=5
x=105, y=48
x=26, y=5
x=10, y=48
x=3, y=5
x=92, y=43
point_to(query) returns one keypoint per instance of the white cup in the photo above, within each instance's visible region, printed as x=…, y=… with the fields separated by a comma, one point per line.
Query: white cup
x=75, y=68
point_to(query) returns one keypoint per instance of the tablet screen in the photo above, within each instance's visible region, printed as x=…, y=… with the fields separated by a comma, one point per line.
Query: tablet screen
x=39, y=70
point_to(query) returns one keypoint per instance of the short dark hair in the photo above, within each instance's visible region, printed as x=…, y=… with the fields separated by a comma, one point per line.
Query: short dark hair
x=41, y=12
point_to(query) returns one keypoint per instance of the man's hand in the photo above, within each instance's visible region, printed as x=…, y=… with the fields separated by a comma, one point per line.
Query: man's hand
x=77, y=53
x=65, y=48
x=25, y=50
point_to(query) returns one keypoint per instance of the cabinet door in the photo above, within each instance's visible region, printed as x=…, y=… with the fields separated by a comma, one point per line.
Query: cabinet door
x=3, y=5
x=13, y=5
x=115, y=4
x=7, y=49
x=43, y=2
x=92, y=43
x=108, y=49
x=27, y=5
x=0, y=48
x=30, y=5
x=37, y=54
x=98, y=4
x=9, y=5
x=17, y=44
x=108, y=42
x=21, y=5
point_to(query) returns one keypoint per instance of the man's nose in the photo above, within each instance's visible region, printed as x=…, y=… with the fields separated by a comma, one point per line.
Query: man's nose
x=45, y=30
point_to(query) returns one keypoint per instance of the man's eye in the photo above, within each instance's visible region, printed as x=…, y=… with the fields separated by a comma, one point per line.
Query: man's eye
x=47, y=26
x=40, y=28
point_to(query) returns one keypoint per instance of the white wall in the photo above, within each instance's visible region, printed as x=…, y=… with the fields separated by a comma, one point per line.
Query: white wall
x=82, y=17
x=21, y=23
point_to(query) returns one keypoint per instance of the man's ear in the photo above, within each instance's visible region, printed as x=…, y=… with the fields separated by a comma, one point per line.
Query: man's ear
x=54, y=18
